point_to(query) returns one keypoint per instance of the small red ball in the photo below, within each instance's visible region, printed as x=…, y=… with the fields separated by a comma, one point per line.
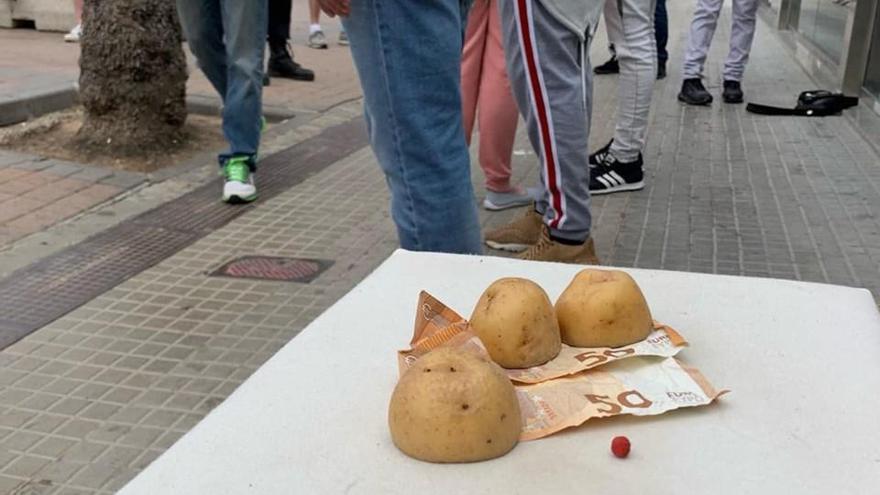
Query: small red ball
x=620, y=446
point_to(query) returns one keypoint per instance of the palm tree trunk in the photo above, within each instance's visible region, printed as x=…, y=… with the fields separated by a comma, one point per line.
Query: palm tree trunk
x=132, y=76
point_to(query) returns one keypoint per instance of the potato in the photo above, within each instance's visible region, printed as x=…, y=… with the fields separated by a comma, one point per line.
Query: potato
x=516, y=322
x=603, y=308
x=454, y=406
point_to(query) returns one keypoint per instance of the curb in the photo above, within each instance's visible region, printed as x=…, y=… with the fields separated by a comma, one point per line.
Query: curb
x=22, y=109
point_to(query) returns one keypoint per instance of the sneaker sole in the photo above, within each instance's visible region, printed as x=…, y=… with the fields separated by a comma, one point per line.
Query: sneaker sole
x=733, y=101
x=488, y=205
x=318, y=47
x=278, y=75
x=705, y=104
x=512, y=248
x=239, y=200
x=626, y=187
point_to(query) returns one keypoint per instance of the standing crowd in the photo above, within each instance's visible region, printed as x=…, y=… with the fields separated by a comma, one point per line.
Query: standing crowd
x=432, y=72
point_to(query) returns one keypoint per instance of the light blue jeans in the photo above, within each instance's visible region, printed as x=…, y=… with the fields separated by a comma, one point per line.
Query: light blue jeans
x=228, y=38
x=408, y=57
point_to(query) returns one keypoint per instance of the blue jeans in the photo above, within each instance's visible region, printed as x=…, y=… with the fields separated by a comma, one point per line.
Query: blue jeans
x=228, y=38
x=408, y=57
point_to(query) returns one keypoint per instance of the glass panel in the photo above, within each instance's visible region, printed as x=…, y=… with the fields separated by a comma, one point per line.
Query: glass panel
x=872, y=75
x=824, y=23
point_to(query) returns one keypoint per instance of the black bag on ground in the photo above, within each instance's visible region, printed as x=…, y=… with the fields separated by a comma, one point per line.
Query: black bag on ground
x=816, y=103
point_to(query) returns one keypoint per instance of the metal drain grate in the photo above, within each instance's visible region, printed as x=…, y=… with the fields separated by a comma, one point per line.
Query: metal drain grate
x=35, y=295
x=274, y=268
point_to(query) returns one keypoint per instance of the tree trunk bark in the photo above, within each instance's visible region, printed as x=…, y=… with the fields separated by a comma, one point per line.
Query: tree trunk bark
x=132, y=76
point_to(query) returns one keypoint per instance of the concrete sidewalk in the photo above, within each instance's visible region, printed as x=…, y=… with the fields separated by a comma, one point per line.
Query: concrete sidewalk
x=35, y=63
x=90, y=399
x=37, y=74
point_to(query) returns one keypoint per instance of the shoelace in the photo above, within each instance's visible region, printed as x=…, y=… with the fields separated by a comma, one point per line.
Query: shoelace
x=544, y=243
x=604, y=166
x=237, y=172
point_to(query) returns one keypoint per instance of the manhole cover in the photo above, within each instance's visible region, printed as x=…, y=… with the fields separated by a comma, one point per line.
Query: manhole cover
x=274, y=268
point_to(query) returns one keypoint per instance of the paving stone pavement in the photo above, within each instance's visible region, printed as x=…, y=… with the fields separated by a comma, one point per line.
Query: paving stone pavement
x=36, y=193
x=89, y=400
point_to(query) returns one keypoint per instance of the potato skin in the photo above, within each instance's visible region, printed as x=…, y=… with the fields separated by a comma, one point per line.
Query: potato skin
x=454, y=406
x=603, y=308
x=516, y=322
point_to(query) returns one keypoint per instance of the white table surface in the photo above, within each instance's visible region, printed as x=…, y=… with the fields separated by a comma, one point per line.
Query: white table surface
x=802, y=361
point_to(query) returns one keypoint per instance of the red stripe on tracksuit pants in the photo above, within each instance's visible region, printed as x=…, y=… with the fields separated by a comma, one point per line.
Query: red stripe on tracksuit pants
x=537, y=90
x=548, y=77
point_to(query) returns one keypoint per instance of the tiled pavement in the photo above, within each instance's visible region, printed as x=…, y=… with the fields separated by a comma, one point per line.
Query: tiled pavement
x=37, y=193
x=90, y=399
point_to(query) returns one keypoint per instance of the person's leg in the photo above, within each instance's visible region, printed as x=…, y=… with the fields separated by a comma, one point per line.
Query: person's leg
x=314, y=12
x=316, y=34
x=408, y=58
x=281, y=63
x=498, y=114
x=472, y=63
x=245, y=25
x=741, y=35
x=202, y=24
x=279, y=21
x=549, y=74
x=700, y=37
x=661, y=31
x=661, y=36
x=76, y=32
x=631, y=28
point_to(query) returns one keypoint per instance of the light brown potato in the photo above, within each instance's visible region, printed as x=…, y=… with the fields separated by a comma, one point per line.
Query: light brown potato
x=603, y=308
x=454, y=406
x=516, y=322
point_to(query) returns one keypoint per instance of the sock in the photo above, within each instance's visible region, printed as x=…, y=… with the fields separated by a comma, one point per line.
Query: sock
x=314, y=28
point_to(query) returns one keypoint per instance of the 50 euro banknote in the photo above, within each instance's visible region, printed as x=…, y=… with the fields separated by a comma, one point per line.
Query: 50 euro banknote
x=640, y=385
x=436, y=324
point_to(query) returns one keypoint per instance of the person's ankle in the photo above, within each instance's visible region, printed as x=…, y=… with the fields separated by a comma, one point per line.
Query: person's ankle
x=567, y=242
x=314, y=28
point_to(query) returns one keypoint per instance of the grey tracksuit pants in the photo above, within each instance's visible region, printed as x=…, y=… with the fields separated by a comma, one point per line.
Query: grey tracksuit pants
x=549, y=73
x=703, y=27
x=630, y=26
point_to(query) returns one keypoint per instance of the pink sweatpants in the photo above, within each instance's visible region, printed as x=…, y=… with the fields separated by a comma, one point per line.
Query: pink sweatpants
x=485, y=91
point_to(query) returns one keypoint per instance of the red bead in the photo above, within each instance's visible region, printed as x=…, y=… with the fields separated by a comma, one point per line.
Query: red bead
x=620, y=446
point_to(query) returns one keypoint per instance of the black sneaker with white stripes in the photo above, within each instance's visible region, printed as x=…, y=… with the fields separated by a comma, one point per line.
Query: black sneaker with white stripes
x=611, y=176
x=600, y=155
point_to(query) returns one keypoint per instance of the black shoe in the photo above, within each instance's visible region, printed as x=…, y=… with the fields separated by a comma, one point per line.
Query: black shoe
x=281, y=64
x=661, y=70
x=732, y=93
x=609, y=67
x=694, y=93
x=612, y=176
x=266, y=80
x=600, y=155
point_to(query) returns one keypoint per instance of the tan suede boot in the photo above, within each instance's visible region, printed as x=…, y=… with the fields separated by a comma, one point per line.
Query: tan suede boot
x=549, y=250
x=518, y=235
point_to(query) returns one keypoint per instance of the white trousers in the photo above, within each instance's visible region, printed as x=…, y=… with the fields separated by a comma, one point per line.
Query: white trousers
x=703, y=28
x=630, y=26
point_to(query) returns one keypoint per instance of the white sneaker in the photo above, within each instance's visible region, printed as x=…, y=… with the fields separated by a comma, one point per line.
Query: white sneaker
x=74, y=35
x=318, y=40
x=239, y=186
x=501, y=201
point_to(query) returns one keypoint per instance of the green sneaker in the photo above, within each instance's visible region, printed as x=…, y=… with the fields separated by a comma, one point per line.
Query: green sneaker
x=239, y=186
